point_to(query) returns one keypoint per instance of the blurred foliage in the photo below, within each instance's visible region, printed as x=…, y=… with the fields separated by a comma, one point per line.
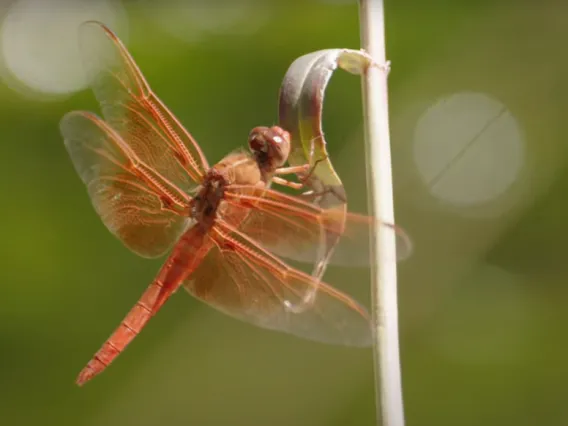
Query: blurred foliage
x=482, y=300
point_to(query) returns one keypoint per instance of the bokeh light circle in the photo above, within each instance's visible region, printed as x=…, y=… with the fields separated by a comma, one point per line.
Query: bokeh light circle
x=468, y=149
x=39, y=43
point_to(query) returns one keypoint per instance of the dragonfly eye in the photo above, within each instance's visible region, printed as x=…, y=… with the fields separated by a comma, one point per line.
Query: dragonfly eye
x=258, y=139
x=279, y=140
x=257, y=144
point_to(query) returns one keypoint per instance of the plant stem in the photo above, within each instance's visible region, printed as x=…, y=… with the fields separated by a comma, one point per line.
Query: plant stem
x=388, y=386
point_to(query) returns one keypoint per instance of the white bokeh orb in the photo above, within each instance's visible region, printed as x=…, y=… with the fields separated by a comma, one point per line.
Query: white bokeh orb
x=40, y=43
x=468, y=149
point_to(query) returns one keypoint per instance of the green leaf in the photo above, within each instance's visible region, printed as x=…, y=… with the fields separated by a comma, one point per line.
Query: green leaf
x=300, y=113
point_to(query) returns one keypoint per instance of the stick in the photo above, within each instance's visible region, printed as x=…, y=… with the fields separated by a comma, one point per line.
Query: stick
x=388, y=386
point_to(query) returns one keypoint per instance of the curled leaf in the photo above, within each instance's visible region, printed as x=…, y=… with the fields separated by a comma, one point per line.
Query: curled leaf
x=300, y=113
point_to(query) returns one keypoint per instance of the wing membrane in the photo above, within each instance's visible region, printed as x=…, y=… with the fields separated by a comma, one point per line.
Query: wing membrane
x=238, y=278
x=131, y=108
x=135, y=204
x=292, y=228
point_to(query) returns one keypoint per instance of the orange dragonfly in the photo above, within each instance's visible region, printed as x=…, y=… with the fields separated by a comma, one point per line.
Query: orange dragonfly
x=152, y=187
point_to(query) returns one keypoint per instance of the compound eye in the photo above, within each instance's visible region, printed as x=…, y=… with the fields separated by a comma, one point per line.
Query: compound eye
x=257, y=139
x=256, y=143
x=278, y=135
x=279, y=140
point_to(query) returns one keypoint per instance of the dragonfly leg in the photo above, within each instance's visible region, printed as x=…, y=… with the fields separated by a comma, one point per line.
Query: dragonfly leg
x=294, y=185
x=306, y=169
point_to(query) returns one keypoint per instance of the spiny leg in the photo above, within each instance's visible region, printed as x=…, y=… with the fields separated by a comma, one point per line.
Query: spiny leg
x=305, y=168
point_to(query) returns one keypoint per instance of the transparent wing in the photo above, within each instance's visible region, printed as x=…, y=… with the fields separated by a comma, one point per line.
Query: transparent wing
x=131, y=108
x=135, y=203
x=240, y=279
x=292, y=228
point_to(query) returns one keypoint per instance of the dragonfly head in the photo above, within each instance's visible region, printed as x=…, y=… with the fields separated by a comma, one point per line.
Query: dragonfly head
x=270, y=146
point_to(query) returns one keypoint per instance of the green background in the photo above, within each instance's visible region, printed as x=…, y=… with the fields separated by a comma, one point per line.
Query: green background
x=482, y=301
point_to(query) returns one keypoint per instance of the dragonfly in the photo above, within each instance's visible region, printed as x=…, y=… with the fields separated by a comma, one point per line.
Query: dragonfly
x=150, y=183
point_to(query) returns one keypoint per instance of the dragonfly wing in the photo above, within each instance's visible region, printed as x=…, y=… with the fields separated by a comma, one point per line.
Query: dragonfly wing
x=296, y=229
x=135, y=112
x=136, y=205
x=240, y=279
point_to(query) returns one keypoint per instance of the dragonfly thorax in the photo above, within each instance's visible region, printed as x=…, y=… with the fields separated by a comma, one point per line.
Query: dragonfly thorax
x=206, y=203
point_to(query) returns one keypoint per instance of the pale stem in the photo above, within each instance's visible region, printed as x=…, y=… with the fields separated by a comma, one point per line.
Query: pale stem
x=388, y=386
